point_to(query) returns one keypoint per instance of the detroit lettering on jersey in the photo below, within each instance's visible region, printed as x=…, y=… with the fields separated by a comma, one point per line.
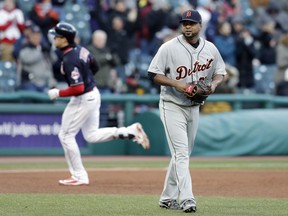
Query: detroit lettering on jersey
x=197, y=67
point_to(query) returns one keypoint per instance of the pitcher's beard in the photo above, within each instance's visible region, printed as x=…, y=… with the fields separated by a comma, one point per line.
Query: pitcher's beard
x=190, y=36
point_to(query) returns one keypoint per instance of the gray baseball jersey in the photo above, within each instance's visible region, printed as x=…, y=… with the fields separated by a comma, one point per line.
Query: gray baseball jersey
x=180, y=61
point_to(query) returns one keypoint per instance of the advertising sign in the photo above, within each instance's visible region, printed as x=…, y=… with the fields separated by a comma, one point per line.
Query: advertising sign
x=32, y=130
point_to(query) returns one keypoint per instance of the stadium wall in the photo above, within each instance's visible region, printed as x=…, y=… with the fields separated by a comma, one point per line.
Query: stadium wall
x=32, y=128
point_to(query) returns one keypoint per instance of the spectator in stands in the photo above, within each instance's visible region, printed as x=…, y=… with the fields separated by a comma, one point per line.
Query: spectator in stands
x=218, y=15
x=156, y=19
x=45, y=16
x=279, y=16
x=231, y=8
x=20, y=42
x=161, y=37
x=97, y=11
x=211, y=28
x=107, y=60
x=245, y=54
x=230, y=83
x=120, y=42
x=281, y=78
x=267, y=56
x=102, y=13
x=143, y=33
x=138, y=83
x=35, y=64
x=264, y=15
x=11, y=25
x=225, y=43
x=203, y=6
x=129, y=16
x=226, y=9
x=118, y=8
x=120, y=23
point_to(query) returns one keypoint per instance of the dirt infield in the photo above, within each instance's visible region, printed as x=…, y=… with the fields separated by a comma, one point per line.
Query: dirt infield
x=241, y=183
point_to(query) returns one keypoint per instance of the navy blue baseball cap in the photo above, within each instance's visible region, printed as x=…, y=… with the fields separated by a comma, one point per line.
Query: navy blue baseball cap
x=192, y=16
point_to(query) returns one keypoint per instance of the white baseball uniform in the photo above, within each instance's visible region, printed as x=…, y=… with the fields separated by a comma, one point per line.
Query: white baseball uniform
x=180, y=61
x=82, y=113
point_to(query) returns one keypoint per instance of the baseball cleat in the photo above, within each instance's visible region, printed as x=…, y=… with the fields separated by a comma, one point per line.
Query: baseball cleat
x=139, y=135
x=72, y=181
x=189, y=206
x=169, y=204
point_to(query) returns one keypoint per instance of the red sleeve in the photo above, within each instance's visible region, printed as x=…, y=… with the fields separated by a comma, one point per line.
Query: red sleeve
x=5, y=26
x=21, y=26
x=72, y=91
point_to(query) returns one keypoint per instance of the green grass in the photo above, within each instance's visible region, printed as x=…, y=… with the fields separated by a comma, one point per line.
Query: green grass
x=194, y=164
x=118, y=205
x=240, y=164
x=126, y=205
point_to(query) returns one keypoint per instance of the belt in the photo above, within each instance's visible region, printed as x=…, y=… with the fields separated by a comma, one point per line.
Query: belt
x=193, y=103
x=94, y=88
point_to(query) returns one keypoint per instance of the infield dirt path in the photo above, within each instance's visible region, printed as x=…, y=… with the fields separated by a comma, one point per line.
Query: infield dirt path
x=240, y=183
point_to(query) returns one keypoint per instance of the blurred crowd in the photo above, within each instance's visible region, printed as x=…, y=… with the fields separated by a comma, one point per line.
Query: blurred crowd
x=124, y=35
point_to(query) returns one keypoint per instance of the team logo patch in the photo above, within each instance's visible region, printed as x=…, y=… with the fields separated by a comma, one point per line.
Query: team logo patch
x=75, y=74
x=188, y=14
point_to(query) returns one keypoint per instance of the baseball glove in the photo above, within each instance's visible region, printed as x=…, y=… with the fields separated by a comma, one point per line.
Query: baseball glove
x=191, y=90
x=201, y=91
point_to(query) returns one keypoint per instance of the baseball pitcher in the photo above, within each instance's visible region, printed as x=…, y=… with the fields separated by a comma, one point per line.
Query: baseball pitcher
x=188, y=68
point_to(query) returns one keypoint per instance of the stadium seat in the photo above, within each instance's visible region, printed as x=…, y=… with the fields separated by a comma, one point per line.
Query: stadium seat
x=8, y=76
x=26, y=6
x=78, y=15
x=264, y=79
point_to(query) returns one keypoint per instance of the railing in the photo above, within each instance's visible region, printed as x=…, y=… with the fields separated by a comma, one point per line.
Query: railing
x=33, y=102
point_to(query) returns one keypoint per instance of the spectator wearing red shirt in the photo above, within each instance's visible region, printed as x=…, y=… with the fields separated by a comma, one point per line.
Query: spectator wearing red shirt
x=11, y=26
